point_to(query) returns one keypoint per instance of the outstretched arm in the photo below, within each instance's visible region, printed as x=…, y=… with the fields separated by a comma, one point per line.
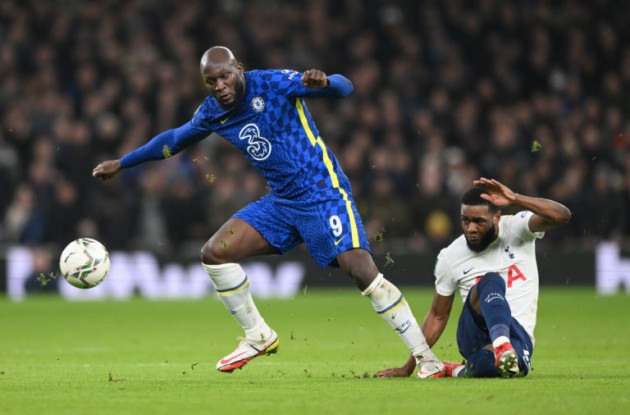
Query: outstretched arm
x=548, y=214
x=163, y=145
x=432, y=327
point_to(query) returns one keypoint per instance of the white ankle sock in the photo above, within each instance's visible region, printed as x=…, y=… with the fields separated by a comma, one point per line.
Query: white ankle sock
x=499, y=341
x=458, y=370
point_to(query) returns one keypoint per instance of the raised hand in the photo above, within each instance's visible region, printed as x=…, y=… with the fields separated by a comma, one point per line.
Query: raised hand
x=499, y=194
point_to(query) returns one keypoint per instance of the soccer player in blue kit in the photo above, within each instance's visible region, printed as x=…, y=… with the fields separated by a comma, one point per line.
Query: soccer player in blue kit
x=263, y=113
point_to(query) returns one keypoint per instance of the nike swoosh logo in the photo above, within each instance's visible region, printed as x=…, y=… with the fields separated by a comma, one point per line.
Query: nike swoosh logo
x=231, y=358
x=468, y=270
x=223, y=121
x=338, y=241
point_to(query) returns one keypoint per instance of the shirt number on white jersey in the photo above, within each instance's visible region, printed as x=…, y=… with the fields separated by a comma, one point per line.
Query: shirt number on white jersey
x=258, y=146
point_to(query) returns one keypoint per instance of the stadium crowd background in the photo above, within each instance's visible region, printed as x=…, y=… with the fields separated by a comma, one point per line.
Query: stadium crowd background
x=532, y=93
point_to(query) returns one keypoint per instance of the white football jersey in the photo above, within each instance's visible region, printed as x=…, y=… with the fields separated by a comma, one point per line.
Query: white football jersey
x=512, y=255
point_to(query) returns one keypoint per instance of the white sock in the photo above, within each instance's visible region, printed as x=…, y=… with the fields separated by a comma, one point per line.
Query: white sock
x=388, y=301
x=458, y=370
x=232, y=286
x=499, y=341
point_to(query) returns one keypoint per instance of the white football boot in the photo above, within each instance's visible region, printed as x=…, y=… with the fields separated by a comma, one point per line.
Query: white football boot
x=248, y=350
x=430, y=367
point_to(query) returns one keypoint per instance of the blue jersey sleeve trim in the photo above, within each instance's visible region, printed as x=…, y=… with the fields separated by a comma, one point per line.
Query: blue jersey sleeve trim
x=164, y=145
x=340, y=84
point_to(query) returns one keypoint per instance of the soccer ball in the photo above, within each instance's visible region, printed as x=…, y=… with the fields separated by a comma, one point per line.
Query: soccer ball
x=84, y=263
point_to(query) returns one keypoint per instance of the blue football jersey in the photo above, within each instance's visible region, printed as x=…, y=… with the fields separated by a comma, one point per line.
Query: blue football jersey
x=275, y=131
x=310, y=200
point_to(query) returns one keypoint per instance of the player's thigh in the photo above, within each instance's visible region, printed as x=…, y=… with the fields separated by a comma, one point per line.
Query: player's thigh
x=234, y=241
x=472, y=333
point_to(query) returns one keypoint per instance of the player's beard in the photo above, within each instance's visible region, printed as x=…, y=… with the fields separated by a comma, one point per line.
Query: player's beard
x=239, y=90
x=233, y=99
x=486, y=239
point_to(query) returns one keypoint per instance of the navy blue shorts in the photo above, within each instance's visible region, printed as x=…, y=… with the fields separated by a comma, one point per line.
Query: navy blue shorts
x=473, y=335
x=328, y=223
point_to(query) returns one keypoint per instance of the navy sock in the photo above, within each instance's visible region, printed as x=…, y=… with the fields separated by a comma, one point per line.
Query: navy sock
x=494, y=307
x=480, y=365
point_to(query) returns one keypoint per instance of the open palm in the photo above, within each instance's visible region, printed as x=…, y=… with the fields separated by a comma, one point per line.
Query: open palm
x=499, y=194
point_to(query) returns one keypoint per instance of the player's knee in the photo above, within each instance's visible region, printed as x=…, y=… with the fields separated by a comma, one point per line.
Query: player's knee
x=211, y=254
x=491, y=278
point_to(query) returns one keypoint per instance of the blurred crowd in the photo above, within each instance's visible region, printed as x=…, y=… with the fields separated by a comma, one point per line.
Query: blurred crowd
x=529, y=92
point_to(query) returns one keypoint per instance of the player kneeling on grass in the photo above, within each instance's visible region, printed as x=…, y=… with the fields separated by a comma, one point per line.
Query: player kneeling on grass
x=263, y=113
x=493, y=264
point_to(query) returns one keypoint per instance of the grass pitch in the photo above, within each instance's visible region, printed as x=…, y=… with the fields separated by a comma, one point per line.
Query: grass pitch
x=158, y=357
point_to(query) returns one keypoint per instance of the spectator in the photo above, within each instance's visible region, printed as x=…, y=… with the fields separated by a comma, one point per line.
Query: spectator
x=442, y=94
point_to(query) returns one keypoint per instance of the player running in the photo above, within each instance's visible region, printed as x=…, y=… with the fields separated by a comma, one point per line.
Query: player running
x=493, y=264
x=263, y=113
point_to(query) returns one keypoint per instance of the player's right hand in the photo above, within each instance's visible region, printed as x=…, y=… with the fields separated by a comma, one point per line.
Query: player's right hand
x=107, y=169
x=398, y=372
x=498, y=194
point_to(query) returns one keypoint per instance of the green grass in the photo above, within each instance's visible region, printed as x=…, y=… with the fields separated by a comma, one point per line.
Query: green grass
x=144, y=357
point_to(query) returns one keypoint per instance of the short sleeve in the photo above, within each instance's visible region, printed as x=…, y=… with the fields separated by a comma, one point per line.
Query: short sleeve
x=519, y=226
x=445, y=284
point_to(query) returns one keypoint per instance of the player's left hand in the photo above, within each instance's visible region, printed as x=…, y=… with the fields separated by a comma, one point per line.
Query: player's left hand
x=314, y=78
x=499, y=194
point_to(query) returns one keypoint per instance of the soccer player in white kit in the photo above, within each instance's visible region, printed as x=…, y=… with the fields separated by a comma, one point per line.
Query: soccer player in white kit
x=493, y=265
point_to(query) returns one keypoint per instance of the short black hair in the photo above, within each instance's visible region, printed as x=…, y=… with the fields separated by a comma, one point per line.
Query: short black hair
x=473, y=198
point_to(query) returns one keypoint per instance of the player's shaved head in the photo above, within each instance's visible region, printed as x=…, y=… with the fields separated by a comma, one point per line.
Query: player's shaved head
x=223, y=75
x=218, y=55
